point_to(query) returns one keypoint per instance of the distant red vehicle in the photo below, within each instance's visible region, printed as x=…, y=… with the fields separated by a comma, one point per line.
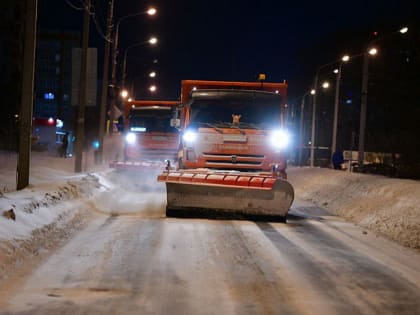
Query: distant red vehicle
x=47, y=135
x=44, y=133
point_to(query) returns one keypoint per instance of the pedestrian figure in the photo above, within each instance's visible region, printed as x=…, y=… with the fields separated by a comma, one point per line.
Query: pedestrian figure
x=64, y=145
x=337, y=159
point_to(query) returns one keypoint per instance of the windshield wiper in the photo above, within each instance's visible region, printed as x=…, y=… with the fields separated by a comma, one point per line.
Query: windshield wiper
x=211, y=126
x=249, y=125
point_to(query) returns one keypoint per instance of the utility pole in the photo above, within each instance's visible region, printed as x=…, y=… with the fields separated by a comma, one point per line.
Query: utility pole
x=314, y=119
x=104, y=95
x=25, y=127
x=363, y=107
x=114, y=62
x=80, y=131
x=336, y=107
x=301, y=142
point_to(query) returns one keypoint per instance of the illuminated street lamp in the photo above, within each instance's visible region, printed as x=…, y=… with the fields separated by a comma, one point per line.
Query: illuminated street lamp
x=124, y=93
x=153, y=41
x=152, y=88
x=152, y=74
x=363, y=104
x=151, y=11
x=345, y=58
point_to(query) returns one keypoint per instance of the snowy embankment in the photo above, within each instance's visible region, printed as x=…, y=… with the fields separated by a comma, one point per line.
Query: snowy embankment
x=386, y=206
x=47, y=212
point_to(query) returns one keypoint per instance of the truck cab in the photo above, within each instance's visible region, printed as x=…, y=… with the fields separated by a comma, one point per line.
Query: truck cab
x=233, y=126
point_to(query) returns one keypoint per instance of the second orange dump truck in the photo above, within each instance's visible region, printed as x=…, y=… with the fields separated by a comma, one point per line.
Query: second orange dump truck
x=149, y=139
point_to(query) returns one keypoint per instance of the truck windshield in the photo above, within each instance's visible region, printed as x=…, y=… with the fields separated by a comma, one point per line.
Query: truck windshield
x=151, y=120
x=254, y=112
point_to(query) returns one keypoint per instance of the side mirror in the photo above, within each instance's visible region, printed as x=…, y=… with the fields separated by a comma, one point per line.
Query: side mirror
x=175, y=122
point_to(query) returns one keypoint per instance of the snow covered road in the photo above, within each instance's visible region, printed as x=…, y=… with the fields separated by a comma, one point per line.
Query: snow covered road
x=137, y=264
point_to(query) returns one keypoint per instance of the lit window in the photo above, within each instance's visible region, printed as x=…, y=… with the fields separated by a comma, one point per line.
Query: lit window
x=48, y=96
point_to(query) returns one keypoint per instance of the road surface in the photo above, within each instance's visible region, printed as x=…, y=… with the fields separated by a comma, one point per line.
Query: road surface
x=138, y=264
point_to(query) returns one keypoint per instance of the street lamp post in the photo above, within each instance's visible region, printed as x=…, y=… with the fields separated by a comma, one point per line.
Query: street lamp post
x=314, y=109
x=302, y=110
x=337, y=103
x=363, y=103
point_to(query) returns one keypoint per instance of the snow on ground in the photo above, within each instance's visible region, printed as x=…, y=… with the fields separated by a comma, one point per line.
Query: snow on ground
x=55, y=203
x=386, y=206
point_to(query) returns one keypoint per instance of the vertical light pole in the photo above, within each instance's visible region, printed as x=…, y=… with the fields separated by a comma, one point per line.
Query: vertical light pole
x=25, y=124
x=337, y=103
x=80, y=128
x=363, y=103
x=302, y=111
x=104, y=91
x=315, y=87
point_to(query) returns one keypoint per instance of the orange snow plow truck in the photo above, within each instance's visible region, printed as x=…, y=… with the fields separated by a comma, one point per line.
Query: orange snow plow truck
x=232, y=156
x=149, y=139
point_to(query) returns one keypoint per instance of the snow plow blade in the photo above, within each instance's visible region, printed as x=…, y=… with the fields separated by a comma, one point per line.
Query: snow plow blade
x=224, y=194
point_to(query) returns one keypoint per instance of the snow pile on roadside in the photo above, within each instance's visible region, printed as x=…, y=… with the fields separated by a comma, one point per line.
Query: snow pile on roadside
x=45, y=213
x=35, y=207
x=387, y=206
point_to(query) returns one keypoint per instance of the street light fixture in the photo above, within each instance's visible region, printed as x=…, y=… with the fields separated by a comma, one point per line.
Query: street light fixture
x=153, y=41
x=151, y=11
x=152, y=88
x=124, y=93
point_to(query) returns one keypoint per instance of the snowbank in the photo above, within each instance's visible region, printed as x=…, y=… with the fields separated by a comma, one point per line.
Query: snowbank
x=45, y=213
x=387, y=206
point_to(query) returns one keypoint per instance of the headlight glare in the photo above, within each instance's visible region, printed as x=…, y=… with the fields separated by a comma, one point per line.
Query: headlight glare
x=280, y=139
x=130, y=138
x=189, y=136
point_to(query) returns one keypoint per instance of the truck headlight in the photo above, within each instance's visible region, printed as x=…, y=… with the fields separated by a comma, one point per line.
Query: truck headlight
x=189, y=136
x=280, y=139
x=130, y=138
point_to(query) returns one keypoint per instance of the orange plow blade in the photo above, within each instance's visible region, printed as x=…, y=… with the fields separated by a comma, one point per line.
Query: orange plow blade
x=231, y=194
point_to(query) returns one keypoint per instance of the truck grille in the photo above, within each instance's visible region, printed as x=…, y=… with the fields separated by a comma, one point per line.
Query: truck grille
x=230, y=160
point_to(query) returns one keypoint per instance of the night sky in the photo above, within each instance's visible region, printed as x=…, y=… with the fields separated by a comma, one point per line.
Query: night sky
x=233, y=39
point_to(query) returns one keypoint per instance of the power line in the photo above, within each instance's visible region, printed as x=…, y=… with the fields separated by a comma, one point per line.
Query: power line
x=73, y=6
